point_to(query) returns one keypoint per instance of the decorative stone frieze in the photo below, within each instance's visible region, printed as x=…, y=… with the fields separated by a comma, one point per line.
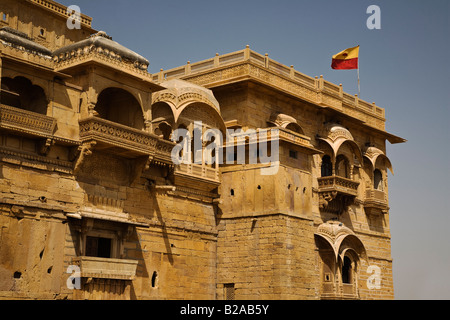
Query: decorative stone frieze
x=23, y=121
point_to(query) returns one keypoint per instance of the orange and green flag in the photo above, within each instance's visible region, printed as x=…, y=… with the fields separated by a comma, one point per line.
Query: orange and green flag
x=346, y=59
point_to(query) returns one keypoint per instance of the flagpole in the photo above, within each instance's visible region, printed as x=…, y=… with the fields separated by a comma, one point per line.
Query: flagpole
x=359, y=88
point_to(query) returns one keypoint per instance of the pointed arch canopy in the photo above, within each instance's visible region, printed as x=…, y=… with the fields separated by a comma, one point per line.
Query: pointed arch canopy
x=374, y=154
x=180, y=95
x=341, y=239
x=285, y=121
x=335, y=135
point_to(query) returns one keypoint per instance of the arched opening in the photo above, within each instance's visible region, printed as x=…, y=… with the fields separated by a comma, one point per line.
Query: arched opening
x=204, y=124
x=163, y=130
x=342, y=166
x=120, y=106
x=326, y=167
x=154, y=279
x=294, y=127
x=162, y=120
x=327, y=265
x=347, y=270
x=377, y=180
x=21, y=93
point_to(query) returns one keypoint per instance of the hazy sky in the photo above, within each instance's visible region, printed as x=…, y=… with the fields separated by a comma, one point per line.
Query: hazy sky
x=404, y=68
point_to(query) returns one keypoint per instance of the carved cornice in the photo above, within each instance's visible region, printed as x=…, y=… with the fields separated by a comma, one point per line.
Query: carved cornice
x=34, y=161
x=101, y=48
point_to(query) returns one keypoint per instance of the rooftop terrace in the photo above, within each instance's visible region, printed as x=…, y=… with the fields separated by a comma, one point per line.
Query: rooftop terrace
x=247, y=64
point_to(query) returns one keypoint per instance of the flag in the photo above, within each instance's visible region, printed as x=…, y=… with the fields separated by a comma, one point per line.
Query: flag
x=347, y=59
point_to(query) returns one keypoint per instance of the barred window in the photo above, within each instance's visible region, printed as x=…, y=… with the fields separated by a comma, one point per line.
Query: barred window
x=229, y=291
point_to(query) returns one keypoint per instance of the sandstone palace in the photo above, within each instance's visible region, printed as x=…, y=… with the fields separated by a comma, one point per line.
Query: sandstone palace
x=92, y=205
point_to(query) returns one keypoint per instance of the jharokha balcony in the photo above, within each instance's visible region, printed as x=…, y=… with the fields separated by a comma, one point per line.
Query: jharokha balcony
x=26, y=122
x=336, y=193
x=338, y=184
x=376, y=201
x=117, y=138
x=107, y=268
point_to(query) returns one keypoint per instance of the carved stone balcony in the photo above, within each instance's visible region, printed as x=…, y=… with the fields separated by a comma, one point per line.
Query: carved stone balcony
x=338, y=184
x=336, y=193
x=375, y=201
x=106, y=268
x=291, y=137
x=117, y=138
x=197, y=176
x=342, y=291
x=26, y=122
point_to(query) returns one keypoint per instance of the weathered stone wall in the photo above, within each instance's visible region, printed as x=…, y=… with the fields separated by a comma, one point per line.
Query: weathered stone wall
x=254, y=234
x=267, y=257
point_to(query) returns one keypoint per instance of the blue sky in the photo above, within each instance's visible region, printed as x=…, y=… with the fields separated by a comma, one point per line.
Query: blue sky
x=403, y=68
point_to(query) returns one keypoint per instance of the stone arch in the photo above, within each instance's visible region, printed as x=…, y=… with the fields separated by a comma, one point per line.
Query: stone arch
x=163, y=122
x=198, y=111
x=334, y=139
x=21, y=93
x=341, y=239
x=36, y=81
x=190, y=102
x=285, y=121
x=353, y=146
x=120, y=106
x=340, y=252
x=375, y=156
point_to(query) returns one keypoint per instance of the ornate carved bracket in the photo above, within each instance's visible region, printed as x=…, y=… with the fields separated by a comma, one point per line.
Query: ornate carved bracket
x=44, y=146
x=82, y=151
x=138, y=166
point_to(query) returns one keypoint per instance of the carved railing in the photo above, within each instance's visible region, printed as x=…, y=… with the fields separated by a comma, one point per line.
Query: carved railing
x=164, y=152
x=338, y=184
x=28, y=122
x=289, y=136
x=293, y=81
x=348, y=289
x=198, y=171
x=106, y=268
x=336, y=193
x=117, y=135
x=340, y=292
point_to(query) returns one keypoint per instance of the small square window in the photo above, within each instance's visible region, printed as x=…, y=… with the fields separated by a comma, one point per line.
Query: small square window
x=293, y=154
x=98, y=247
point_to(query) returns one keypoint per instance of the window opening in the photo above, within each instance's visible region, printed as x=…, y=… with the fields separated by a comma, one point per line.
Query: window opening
x=229, y=291
x=98, y=247
x=326, y=168
x=346, y=270
x=377, y=180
